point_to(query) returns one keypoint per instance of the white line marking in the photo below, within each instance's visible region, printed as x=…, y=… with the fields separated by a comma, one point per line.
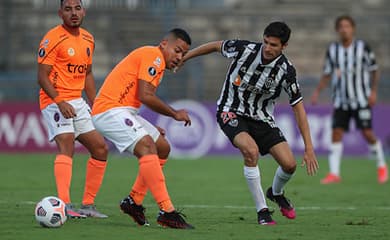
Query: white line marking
x=302, y=208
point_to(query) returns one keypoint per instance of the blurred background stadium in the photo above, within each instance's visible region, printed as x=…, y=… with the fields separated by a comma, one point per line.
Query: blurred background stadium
x=120, y=26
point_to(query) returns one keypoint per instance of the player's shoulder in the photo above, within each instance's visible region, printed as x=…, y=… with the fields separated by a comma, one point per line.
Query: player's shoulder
x=333, y=44
x=286, y=65
x=238, y=42
x=147, y=52
x=55, y=34
x=150, y=54
x=86, y=35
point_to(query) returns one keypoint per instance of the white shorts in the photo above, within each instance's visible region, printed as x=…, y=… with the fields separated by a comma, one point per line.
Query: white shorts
x=124, y=128
x=57, y=124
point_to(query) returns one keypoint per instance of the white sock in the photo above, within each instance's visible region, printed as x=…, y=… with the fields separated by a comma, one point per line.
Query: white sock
x=252, y=175
x=336, y=150
x=378, y=150
x=280, y=179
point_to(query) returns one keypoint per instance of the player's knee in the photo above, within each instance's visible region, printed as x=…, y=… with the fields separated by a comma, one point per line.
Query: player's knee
x=368, y=134
x=290, y=167
x=145, y=146
x=337, y=135
x=101, y=151
x=251, y=155
x=65, y=145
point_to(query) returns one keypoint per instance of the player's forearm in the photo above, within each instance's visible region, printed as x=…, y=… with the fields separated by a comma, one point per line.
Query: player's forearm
x=374, y=80
x=303, y=125
x=323, y=83
x=47, y=86
x=157, y=105
x=90, y=89
x=203, y=50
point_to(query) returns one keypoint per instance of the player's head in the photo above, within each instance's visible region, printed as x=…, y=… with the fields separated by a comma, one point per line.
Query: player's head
x=275, y=39
x=345, y=27
x=72, y=13
x=174, y=46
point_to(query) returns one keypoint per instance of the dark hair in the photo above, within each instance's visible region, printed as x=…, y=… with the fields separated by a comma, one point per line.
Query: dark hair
x=181, y=34
x=279, y=30
x=62, y=2
x=341, y=18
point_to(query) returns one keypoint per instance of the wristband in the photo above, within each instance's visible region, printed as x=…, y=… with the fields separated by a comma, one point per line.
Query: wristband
x=58, y=99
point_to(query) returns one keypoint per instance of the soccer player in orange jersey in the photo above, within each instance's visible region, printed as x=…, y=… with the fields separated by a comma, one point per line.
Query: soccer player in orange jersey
x=64, y=71
x=131, y=83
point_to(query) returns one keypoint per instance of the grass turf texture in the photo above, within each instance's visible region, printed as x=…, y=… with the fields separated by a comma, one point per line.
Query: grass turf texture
x=214, y=196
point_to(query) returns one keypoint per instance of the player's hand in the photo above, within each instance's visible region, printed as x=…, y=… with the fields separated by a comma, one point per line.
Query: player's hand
x=179, y=66
x=372, y=99
x=314, y=98
x=310, y=160
x=182, y=115
x=161, y=130
x=66, y=109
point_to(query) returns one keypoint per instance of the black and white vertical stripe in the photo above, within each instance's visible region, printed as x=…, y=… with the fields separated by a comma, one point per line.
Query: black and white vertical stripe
x=251, y=88
x=350, y=69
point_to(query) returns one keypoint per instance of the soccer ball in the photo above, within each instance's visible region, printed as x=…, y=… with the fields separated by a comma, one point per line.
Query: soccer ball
x=50, y=212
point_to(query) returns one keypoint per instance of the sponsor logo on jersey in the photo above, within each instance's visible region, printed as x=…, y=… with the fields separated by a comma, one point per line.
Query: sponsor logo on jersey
x=75, y=68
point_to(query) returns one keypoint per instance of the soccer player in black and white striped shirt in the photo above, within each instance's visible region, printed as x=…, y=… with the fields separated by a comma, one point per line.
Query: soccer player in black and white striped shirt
x=257, y=75
x=351, y=66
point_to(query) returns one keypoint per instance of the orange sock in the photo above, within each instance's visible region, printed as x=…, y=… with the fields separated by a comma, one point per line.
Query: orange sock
x=93, y=179
x=153, y=177
x=63, y=176
x=139, y=189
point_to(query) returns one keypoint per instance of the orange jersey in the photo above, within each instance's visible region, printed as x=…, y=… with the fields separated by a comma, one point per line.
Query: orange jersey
x=69, y=56
x=120, y=88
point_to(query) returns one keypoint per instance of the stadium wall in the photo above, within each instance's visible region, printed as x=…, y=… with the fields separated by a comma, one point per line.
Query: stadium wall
x=22, y=129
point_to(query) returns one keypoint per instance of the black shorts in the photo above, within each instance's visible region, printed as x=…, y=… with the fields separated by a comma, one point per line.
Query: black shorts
x=362, y=117
x=265, y=136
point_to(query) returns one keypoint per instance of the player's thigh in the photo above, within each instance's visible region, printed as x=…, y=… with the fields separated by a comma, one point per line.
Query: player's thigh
x=363, y=118
x=65, y=143
x=83, y=120
x=236, y=129
x=266, y=135
x=248, y=147
x=162, y=145
x=282, y=153
x=341, y=119
x=56, y=123
x=121, y=127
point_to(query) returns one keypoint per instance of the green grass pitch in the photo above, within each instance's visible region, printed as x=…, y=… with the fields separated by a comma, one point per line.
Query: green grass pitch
x=213, y=193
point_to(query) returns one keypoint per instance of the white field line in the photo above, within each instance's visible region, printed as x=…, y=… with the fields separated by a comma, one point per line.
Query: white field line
x=301, y=208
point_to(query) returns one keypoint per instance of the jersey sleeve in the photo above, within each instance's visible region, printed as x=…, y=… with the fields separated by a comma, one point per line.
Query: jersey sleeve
x=148, y=70
x=328, y=66
x=370, y=59
x=47, y=52
x=291, y=86
x=231, y=48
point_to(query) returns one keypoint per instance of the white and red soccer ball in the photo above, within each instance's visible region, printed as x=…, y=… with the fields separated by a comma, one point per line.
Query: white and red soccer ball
x=50, y=212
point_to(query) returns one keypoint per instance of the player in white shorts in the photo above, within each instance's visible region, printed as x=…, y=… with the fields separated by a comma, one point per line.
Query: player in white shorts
x=64, y=71
x=130, y=84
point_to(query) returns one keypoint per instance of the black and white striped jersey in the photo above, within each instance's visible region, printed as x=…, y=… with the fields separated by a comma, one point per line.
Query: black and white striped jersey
x=251, y=88
x=350, y=69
